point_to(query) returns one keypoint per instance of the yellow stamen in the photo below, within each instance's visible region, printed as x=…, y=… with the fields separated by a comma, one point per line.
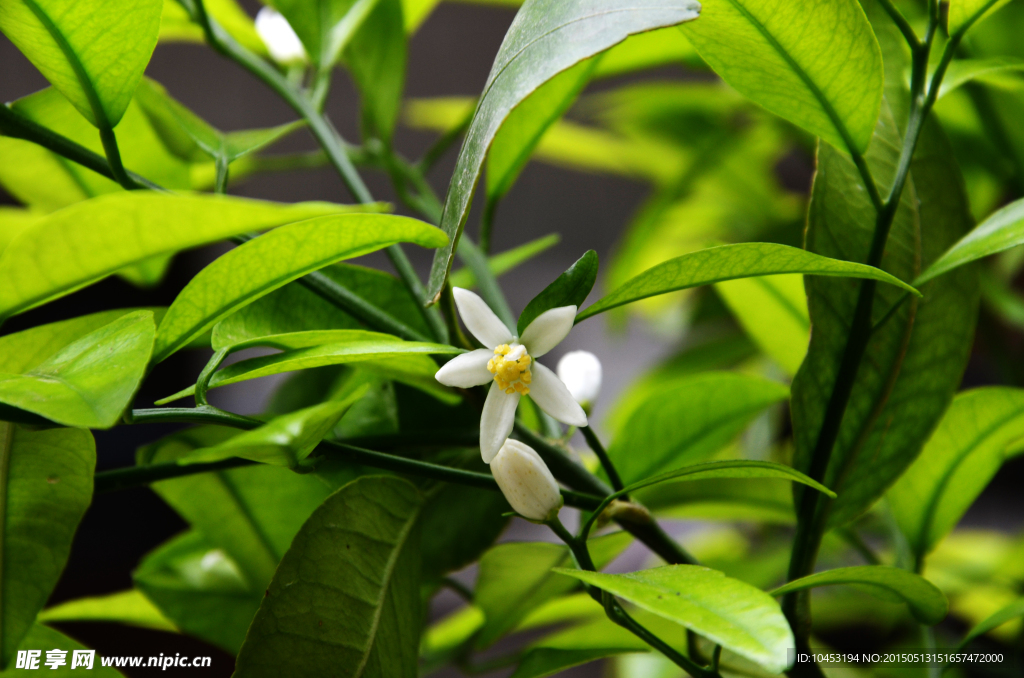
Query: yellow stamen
x=512, y=376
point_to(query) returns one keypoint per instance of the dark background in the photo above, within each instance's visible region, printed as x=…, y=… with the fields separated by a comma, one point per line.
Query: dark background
x=451, y=54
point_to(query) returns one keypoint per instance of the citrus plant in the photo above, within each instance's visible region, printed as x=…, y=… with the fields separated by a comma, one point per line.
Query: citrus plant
x=813, y=414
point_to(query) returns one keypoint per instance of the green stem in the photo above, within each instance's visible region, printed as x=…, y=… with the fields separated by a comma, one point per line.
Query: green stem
x=220, y=184
x=901, y=22
x=203, y=382
x=606, y=463
x=109, y=140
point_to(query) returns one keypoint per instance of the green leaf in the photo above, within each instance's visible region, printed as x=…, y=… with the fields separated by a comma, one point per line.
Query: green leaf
x=283, y=441
x=965, y=13
x=915, y=361
x=384, y=354
x=578, y=645
x=14, y=220
x=44, y=638
x=192, y=138
x=47, y=481
x=196, y=585
x=729, y=262
x=925, y=601
x=546, y=38
x=569, y=289
x=121, y=229
x=416, y=12
x=994, y=621
x=124, y=607
x=998, y=233
x=963, y=71
x=773, y=311
x=177, y=26
x=526, y=124
x=689, y=421
x=345, y=599
x=325, y=27
x=268, y=262
x=516, y=578
x=89, y=382
x=664, y=47
x=376, y=57
x=294, y=308
x=93, y=53
x=722, y=500
x=506, y=261
x=816, y=65
x=726, y=611
x=957, y=463
x=735, y=468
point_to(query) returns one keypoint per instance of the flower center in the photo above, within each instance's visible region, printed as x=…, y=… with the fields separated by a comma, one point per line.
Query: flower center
x=511, y=368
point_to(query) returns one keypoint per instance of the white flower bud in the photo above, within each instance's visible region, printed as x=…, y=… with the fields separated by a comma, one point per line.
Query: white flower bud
x=526, y=482
x=279, y=37
x=580, y=371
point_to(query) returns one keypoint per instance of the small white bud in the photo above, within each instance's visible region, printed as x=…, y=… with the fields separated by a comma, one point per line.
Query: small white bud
x=580, y=371
x=526, y=482
x=279, y=37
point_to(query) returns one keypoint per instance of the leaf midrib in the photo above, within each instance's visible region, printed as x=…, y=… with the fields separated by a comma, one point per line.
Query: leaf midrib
x=76, y=65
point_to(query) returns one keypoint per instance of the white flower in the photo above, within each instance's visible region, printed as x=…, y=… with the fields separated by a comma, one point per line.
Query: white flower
x=279, y=37
x=580, y=371
x=526, y=482
x=510, y=366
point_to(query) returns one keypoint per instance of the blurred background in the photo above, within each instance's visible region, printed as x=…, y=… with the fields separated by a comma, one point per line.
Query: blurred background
x=450, y=56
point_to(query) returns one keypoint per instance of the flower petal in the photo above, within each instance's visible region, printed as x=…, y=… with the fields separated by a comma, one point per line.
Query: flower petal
x=480, y=319
x=548, y=329
x=496, y=422
x=526, y=481
x=468, y=369
x=551, y=395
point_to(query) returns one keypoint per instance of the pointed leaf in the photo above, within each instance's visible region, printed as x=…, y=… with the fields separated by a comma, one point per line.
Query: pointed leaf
x=689, y=421
x=737, y=468
x=821, y=59
x=964, y=13
x=963, y=71
x=47, y=479
x=729, y=262
x=925, y=601
x=961, y=457
x=1000, y=232
x=94, y=53
x=569, y=289
x=266, y=263
x=726, y=611
x=90, y=382
x=546, y=38
x=124, y=607
x=345, y=600
x=121, y=229
x=994, y=621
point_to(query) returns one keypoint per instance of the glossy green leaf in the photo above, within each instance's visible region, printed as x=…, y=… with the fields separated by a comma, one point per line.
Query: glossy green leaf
x=1000, y=232
x=722, y=500
x=376, y=58
x=546, y=38
x=773, y=311
x=689, y=421
x=506, y=261
x=965, y=13
x=816, y=65
x=729, y=262
x=264, y=264
x=963, y=71
x=733, y=468
x=46, y=182
x=925, y=601
x=726, y=611
x=569, y=289
x=47, y=476
x=283, y=441
x=961, y=457
x=384, y=354
x=294, y=308
x=14, y=220
x=195, y=584
x=93, y=54
x=918, y=356
x=325, y=27
x=526, y=124
x=44, y=638
x=516, y=578
x=89, y=382
x=121, y=229
x=994, y=621
x=345, y=600
x=124, y=607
